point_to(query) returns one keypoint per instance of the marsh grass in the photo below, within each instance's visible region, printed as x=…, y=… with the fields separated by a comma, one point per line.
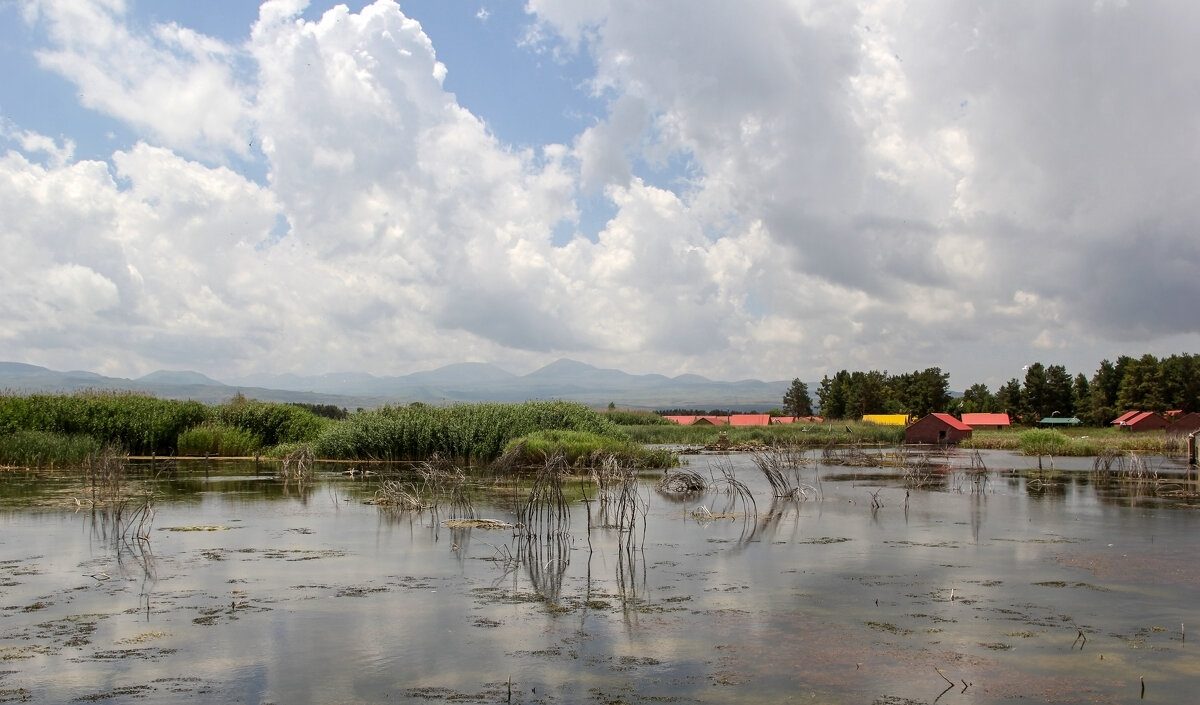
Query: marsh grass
x=141, y=424
x=583, y=450
x=799, y=434
x=219, y=439
x=38, y=449
x=1075, y=442
x=471, y=433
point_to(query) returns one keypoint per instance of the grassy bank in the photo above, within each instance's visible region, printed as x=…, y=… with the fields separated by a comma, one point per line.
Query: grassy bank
x=804, y=435
x=1078, y=442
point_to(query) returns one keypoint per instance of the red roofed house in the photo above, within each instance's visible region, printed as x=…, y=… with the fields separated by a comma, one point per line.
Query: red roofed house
x=997, y=422
x=1140, y=421
x=1185, y=424
x=682, y=420
x=937, y=428
x=1120, y=420
x=750, y=420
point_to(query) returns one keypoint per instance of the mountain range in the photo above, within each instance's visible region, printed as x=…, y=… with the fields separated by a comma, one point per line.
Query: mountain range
x=463, y=382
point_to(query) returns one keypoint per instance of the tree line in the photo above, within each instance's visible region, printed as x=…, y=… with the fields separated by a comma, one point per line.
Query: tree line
x=1146, y=383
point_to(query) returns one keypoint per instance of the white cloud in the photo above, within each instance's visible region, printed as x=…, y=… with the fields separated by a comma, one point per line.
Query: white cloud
x=796, y=188
x=176, y=85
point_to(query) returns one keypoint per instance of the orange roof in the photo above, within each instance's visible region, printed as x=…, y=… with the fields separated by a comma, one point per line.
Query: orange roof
x=981, y=419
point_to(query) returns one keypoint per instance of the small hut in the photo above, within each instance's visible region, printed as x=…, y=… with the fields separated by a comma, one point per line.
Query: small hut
x=937, y=428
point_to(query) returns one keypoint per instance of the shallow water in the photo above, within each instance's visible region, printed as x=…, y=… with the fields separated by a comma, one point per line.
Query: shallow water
x=1052, y=586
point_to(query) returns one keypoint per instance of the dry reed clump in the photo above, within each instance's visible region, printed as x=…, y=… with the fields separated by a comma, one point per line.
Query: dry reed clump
x=298, y=464
x=739, y=501
x=106, y=474
x=1131, y=469
x=682, y=482
x=439, y=482
x=780, y=464
x=852, y=455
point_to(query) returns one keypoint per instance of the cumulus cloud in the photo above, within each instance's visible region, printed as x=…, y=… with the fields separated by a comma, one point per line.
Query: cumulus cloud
x=796, y=188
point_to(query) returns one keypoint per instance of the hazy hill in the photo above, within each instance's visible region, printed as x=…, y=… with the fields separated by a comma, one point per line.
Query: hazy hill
x=462, y=382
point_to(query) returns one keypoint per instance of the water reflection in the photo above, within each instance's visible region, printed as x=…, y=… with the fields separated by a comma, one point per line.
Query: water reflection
x=864, y=588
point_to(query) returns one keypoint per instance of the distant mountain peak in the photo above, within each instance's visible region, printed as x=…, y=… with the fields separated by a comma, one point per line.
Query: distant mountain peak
x=178, y=377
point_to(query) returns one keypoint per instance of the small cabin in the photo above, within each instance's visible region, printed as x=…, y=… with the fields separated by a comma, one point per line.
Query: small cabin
x=939, y=429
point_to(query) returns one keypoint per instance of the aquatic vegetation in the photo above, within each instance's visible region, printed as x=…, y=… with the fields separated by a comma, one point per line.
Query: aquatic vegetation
x=218, y=439
x=779, y=463
x=467, y=432
x=141, y=424
x=272, y=423
x=803, y=435
x=35, y=449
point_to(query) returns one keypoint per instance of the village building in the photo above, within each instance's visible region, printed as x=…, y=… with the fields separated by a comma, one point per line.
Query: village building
x=750, y=420
x=1184, y=424
x=1057, y=421
x=1140, y=421
x=939, y=429
x=990, y=422
x=887, y=419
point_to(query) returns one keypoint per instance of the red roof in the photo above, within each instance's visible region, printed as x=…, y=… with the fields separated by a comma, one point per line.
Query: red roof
x=1124, y=418
x=951, y=422
x=986, y=419
x=750, y=420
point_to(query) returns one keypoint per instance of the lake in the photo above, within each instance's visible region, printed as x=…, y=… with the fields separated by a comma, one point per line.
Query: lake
x=990, y=582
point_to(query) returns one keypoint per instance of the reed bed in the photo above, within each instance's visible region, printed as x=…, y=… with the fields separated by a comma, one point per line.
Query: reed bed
x=141, y=424
x=467, y=432
x=38, y=449
x=219, y=439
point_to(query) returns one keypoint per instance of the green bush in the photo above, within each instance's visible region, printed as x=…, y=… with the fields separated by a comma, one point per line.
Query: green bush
x=270, y=422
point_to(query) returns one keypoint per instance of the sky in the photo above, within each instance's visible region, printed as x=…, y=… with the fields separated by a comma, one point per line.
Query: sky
x=766, y=189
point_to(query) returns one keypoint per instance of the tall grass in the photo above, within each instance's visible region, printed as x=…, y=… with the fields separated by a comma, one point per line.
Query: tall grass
x=798, y=434
x=272, y=423
x=36, y=449
x=1078, y=442
x=218, y=439
x=584, y=449
x=466, y=432
x=141, y=424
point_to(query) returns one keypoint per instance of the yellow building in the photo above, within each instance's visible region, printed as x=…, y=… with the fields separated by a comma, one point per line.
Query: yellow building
x=887, y=419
